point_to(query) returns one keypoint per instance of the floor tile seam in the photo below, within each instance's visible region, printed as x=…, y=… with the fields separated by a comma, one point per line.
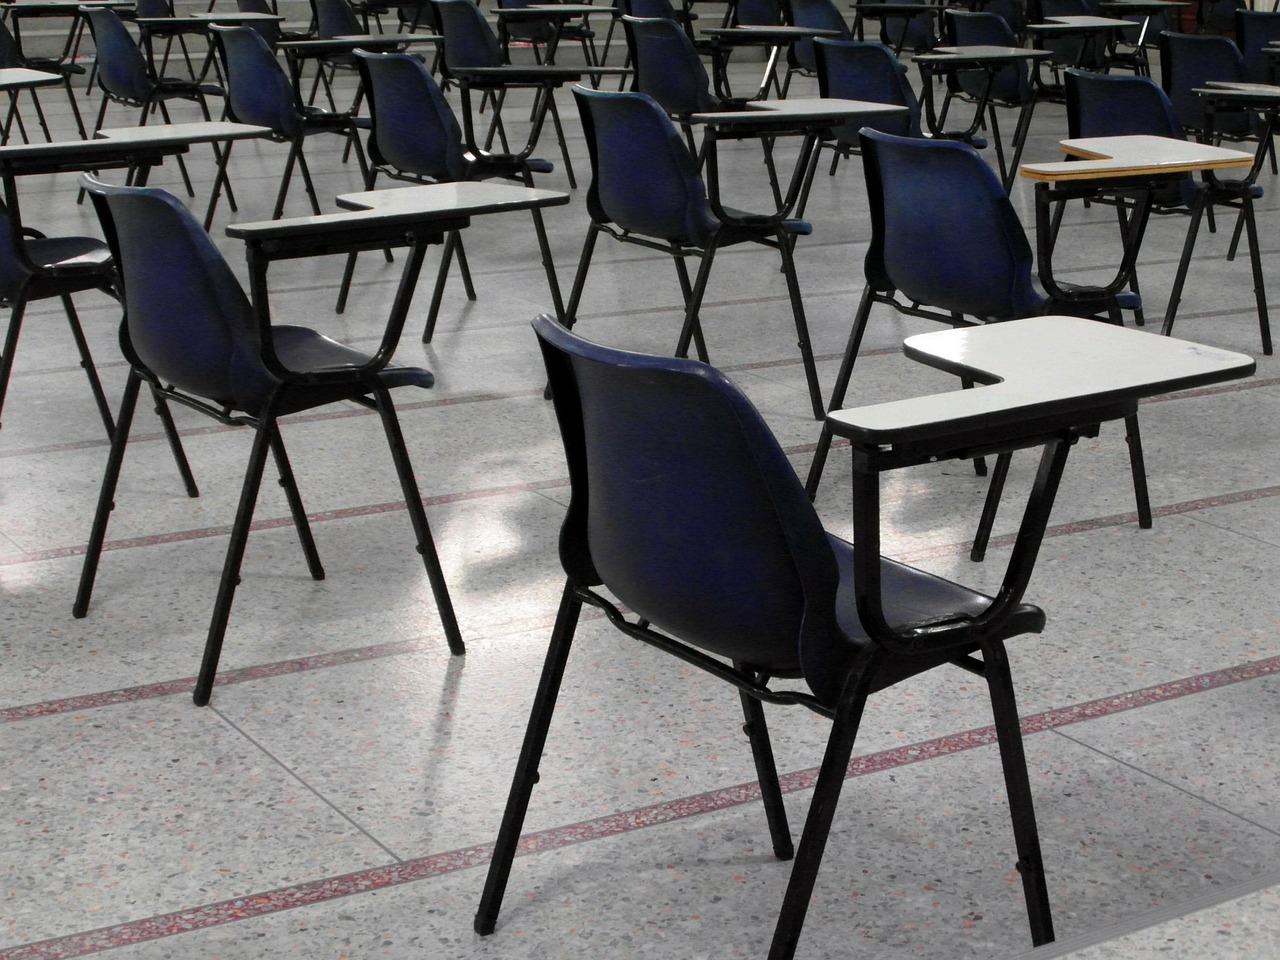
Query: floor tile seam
x=1215, y=897
x=555, y=838
x=275, y=669
x=305, y=785
x=276, y=523
x=1165, y=781
x=535, y=486
x=343, y=411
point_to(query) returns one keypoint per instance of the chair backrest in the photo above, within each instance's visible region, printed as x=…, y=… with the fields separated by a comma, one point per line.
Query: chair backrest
x=943, y=231
x=818, y=15
x=10, y=54
x=1116, y=105
x=258, y=91
x=860, y=70
x=187, y=319
x=1011, y=84
x=750, y=13
x=336, y=18
x=667, y=66
x=122, y=69
x=683, y=505
x=1188, y=61
x=650, y=9
x=529, y=31
x=269, y=30
x=1220, y=14
x=910, y=32
x=643, y=177
x=469, y=41
x=413, y=130
x=1256, y=30
x=13, y=270
x=153, y=8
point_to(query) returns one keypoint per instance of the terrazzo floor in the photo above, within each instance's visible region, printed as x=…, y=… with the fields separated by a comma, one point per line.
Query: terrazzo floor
x=339, y=796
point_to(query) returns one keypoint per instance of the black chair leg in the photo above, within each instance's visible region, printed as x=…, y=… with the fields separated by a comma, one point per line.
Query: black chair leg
x=580, y=276
x=803, y=341
x=418, y=517
x=822, y=809
x=1188, y=248
x=106, y=496
x=262, y=442
x=991, y=506
x=1138, y=466
x=686, y=293
x=295, y=150
x=692, y=329
x=11, y=347
x=307, y=183
x=757, y=732
x=839, y=390
x=296, y=508
x=86, y=362
x=175, y=443
x=1013, y=759
x=544, y=249
x=1255, y=262
x=526, y=775
x=451, y=243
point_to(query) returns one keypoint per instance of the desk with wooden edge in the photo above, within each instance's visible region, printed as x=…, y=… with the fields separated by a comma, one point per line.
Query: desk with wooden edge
x=1135, y=164
x=374, y=220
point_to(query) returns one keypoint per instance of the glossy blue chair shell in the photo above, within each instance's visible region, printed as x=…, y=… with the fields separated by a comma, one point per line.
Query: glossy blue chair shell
x=668, y=67
x=686, y=510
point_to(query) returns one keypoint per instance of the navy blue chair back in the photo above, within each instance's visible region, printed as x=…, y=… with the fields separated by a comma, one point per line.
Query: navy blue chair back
x=683, y=504
x=1255, y=30
x=1012, y=84
x=414, y=128
x=643, y=177
x=269, y=30
x=122, y=68
x=152, y=8
x=943, y=231
x=1188, y=61
x=860, y=70
x=1114, y=105
x=818, y=15
x=336, y=18
x=651, y=9
x=187, y=319
x=469, y=41
x=750, y=13
x=667, y=66
x=258, y=91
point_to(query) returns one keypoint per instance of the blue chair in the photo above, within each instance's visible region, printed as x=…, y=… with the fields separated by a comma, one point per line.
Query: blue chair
x=685, y=512
x=645, y=190
x=193, y=336
x=1101, y=105
x=177, y=29
x=915, y=32
x=947, y=245
x=860, y=70
x=34, y=267
x=541, y=35
x=1189, y=61
x=1255, y=31
x=1089, y=52
x=1010, y=87
x=336, y=18
x=669, y=70
x=469, y=42
x=817, y=15
x=125, y=77
x=259, y=92
x=416, y=138
x=269, y=30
